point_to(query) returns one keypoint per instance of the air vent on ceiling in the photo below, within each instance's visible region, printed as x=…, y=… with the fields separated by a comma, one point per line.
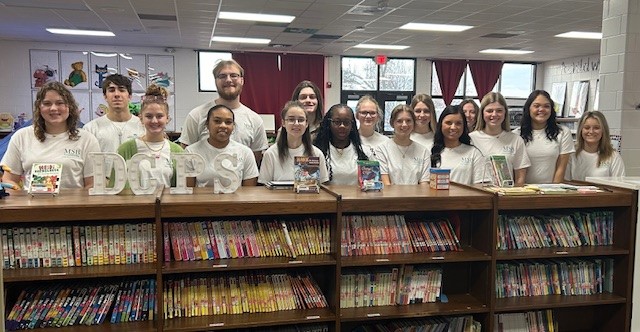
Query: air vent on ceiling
x=301, y=30
x=279, y=45
x=325, y=37
x=157, y=17
x=369, y=10
x=499, y=35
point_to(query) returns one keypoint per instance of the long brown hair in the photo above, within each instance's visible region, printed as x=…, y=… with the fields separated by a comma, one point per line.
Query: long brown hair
x=605, y=149
x=282, y=140
x=427, y=100
x=39, y=125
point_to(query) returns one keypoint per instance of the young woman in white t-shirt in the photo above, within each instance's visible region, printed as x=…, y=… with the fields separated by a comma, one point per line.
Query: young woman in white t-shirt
x=594, y=155
x=368, y=113
x=452, y=148
x=54, y=137
x=471, y=111
x=220, y=123
x=294, y=140
x=339, y=141
x=403, y=161
x=549, y=145
x=493, y=136
x=424, y=129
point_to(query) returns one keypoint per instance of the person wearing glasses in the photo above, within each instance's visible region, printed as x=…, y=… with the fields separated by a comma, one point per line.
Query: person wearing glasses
x=424, y=129
x=403, y=161
x=368, y=113
x=309, y=95
x=294, y=140
x=229, y=76
x=54, y=137
x=339, y=141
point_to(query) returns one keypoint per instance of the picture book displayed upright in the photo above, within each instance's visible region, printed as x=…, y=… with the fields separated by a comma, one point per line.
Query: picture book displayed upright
x=500, y=171
x=45, y=178
x=369, y=175
x=306, y=174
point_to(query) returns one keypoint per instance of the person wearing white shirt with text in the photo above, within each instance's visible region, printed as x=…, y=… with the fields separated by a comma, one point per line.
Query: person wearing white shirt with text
x=368, y=113
x=424, y=129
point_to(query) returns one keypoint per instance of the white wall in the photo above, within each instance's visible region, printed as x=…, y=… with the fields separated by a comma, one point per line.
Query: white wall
x=585, y=68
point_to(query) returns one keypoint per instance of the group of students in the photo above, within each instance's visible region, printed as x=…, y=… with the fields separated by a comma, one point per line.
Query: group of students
x=540, y=151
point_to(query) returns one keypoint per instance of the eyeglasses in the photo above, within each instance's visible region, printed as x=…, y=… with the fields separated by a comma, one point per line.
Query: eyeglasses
x=365, y=113
x=58, y=103
x=338, y=123
x=295, y=120
x=233, y=76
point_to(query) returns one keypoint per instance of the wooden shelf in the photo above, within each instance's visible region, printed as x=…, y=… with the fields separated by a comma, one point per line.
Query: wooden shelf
x=56, y=273
x=468, y=255
x=555, y=301
x=222, y=265
x=559, y=252
x=458, y=305
x=614, y=198
x=147, y=326
x=220, y=322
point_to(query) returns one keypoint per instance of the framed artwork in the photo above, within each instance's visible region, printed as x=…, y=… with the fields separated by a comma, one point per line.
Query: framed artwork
x=579, y=97
x=134, y=66
x=558, y=94
x=161, y=71
x=44, y=67
x=74, y=66
x=102, y=65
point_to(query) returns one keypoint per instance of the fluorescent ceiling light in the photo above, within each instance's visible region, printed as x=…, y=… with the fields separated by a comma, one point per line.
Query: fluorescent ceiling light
x=256, y=17
x=503, y=51
x=436, y=27
x=382, y=47
x=581, y=35
x=81, y=32
x=241, y=40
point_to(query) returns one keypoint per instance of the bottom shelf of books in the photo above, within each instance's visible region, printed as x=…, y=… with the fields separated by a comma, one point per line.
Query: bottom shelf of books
x=457, y=323
x=590, y=318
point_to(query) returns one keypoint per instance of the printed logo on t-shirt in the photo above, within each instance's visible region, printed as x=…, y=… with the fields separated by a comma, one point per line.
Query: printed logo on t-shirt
x=466, y=161
x=508, y=150
x=73, y=153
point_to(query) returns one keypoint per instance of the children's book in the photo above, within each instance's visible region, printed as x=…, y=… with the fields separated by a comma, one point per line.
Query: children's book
x=369, y=175
x=306, y=174
x=45, y=178
x=502, y=176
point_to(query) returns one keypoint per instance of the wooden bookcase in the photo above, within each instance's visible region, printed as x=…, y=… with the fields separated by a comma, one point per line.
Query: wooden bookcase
x=468, y=275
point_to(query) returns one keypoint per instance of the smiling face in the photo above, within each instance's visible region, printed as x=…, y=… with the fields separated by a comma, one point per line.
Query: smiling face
x=470, y=114
x=341, y=123
x=423, y=116
x=493, y=115
x=540, y=111
x=154, y=118
x=452, y=128
x=591, y=132
x=117, y=97
x=229, y=82
x=307, y=97
x=220, y=125
x=295, y=122
x=368, y=115
x=54, y=109
x=403, y=124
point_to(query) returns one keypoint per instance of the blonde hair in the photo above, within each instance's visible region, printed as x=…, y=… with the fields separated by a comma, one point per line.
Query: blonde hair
x=493, y=97
x=155, y=94
x=605, y=149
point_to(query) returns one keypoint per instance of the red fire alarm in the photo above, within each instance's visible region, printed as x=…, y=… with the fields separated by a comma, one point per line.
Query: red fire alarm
x=381, y=59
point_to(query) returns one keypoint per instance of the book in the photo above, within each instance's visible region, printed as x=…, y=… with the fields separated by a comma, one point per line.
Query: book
x=501, y=171
x=279, y=185
x=45, y=178
x=369, y=175
x=306, y=174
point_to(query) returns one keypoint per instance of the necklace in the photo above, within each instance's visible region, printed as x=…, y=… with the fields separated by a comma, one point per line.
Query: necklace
x=156, y=152
x=403, y=153
x=119, y=129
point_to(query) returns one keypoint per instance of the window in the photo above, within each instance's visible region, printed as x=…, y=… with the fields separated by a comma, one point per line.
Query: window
x=397, y=75
x=206, y=61
x=359, y=74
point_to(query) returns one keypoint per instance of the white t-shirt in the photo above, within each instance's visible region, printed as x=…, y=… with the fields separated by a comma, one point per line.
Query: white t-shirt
x=111, y=134
x=249, y=127
x=584, y=164
x=544, y=153
x=271, y=169
x=466, y=163
x=404, y=165
x=344, y=165
x=506, y=143
x=245, y=168
x=369, y=144
x=25, y=149
x=424, y=139
x=163, y=172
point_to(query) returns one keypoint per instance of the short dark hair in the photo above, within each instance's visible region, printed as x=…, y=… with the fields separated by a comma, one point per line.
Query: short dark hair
x=217, y=107
x=117, y=79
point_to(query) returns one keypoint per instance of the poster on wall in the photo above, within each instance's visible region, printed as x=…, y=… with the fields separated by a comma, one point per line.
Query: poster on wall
x=579, y=96
x=134, y=66
x=44, y=67
x=102, y=65
x=84, y=105
x=99, y=106
x=74, y=67
x=161, y=71
x=558, y=94
x=596, y=98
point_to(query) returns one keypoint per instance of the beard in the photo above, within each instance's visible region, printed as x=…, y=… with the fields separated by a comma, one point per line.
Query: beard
x=230, y=95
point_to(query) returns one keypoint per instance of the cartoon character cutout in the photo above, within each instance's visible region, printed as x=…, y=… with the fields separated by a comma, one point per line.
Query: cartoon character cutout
x=161, y=79
x=43, y=75
x=77, y=75
x=101, y=110
x=102, y=73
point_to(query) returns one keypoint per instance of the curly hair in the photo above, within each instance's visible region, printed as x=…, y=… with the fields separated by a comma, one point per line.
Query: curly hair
x=324, y=138
x=155, y=94
x=73, y=119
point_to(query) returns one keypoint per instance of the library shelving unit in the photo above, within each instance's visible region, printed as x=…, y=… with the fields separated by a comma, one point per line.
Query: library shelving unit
x=76, y=207
x=466, y=274
x=599, y=312
x=254, y=203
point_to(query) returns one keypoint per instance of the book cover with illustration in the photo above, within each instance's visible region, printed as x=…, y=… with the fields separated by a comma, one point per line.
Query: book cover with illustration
x=501, y=171
x=369, y=175
x=306, y=174
x=45, y=178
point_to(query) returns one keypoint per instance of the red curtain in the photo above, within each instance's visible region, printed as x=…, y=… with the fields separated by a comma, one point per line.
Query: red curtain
x=485, y=75
x=449, y=74
x=268, y=86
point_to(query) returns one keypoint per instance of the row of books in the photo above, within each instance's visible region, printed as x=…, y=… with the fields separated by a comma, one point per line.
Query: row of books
x=242, y=293
x=68, y=305
x=294, y=328
x=391, y=234
x=431, y=324
x=206, y=240
x=78, y=245
x=530, y=321
x=555, y=277
x=592, y=228
x=402, y=286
